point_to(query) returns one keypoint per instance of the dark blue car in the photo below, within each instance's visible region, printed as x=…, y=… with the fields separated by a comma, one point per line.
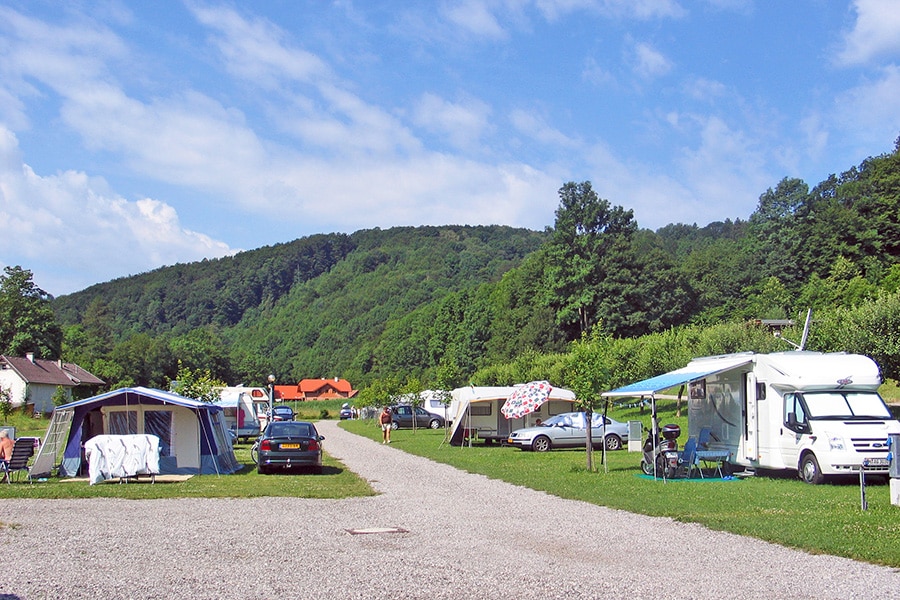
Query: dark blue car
x=288, y=445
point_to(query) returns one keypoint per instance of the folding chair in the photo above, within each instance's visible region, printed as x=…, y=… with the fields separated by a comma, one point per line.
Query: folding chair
x=688, y=458
x=706, y=454
x=21, y=454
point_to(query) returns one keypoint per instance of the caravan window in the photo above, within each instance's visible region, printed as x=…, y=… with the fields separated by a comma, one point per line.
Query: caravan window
x=480, y=409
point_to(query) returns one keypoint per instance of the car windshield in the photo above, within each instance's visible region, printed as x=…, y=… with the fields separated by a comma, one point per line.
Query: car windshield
x=846, y=405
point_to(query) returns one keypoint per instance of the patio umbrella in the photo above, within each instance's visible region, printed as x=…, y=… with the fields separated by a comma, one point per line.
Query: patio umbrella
x=526, y=399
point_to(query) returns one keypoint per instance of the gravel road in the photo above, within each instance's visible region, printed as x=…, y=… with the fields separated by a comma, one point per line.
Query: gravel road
x=465, y=536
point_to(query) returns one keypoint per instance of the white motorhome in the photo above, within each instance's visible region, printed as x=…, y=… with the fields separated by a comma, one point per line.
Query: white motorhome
x=245, y=410
x=475, y=412
x=819, y=414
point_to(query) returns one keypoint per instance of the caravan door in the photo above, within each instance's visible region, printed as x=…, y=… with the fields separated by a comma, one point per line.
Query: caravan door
x=751, y=417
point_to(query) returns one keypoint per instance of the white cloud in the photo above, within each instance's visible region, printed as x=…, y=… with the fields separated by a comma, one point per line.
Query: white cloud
x=536, y=127
x=637, y=9
x=875, y=33
x=725, y=172
x=871, y=110
x=256, y=50
x=71, y=231
x=475, y=17
x=461, y=123
x=595, y=74
x=650, y=63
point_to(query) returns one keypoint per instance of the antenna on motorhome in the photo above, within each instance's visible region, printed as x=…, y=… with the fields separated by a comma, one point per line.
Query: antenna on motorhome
x=803, y=339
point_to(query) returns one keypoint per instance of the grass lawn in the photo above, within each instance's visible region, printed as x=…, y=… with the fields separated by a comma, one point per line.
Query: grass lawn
x=781, y=509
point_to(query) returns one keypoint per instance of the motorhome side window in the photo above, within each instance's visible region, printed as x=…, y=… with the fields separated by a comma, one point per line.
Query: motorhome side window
x=793, y=405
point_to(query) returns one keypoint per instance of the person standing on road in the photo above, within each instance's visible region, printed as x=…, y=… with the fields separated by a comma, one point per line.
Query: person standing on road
x=385, y=419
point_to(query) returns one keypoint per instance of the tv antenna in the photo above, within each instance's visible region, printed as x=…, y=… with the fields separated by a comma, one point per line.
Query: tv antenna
x=805, y=336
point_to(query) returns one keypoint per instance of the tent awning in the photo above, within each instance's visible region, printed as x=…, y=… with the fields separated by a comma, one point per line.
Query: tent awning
x=697, y=369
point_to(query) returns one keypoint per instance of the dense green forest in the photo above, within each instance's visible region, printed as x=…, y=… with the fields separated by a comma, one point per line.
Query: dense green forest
x=497, y=304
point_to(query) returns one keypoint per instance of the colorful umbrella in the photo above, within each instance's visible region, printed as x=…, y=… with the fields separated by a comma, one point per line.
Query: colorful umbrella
x=526, y=399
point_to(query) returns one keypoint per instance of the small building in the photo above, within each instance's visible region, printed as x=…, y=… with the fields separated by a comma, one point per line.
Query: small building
x=32, y=382
x=315, y=389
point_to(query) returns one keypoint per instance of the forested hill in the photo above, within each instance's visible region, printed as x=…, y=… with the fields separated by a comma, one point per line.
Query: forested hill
x=330, y=296
x=219, y=291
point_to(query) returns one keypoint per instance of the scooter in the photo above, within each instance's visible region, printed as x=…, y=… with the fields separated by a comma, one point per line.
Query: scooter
x=663, y=453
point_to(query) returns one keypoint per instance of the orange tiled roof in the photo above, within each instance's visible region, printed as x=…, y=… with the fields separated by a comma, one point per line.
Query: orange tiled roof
x=312, y=389
x=308, y=386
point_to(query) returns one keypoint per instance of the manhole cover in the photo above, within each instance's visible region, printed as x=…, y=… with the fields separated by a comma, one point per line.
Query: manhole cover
x=367, y=530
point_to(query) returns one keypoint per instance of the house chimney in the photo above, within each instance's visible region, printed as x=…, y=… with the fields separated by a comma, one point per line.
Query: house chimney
x=30, y=356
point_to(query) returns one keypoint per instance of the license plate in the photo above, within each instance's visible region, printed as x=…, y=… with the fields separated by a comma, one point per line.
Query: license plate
x=876, y=462
x=290, y=446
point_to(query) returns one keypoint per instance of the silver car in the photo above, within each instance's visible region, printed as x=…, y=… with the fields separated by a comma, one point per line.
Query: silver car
x=568, y=430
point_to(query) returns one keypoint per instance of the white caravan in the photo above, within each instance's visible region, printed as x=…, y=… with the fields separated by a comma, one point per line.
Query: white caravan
x=475, y=412
x=819, y=414
x=245, y=410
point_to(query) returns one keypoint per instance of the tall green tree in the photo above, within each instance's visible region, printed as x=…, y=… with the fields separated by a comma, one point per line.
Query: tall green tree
x=584, y=253
x=27, y=322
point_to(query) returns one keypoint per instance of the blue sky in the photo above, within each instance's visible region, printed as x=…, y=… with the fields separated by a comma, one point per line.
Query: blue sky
x=135, y=135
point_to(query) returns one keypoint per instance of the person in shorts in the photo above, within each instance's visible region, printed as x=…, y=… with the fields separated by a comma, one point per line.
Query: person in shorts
x=385, y=420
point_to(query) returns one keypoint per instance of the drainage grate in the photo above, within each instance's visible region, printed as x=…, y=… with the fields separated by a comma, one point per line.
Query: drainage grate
x=368, y=530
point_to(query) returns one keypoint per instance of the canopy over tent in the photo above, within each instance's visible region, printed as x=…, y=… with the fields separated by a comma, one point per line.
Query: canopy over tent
x=697, y=369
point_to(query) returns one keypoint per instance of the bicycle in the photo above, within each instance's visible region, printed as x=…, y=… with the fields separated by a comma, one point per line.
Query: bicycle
x=254, y=452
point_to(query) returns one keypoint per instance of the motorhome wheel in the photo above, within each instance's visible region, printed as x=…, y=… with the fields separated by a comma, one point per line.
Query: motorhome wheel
x=809, y=470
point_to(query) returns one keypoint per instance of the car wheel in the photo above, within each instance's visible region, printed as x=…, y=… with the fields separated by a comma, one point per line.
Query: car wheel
x=613, y=442
x=541, y=443
x=395, y=425
x=434, y=424
x=809, y=470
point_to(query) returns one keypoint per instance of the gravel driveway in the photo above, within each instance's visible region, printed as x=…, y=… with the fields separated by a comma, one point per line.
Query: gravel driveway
x=465, y=536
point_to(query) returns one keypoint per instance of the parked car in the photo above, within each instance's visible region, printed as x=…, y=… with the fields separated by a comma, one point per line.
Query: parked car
x=568, y=430
x=402, y=417
x=288, y=444
x=346, y=412
x=282, y=413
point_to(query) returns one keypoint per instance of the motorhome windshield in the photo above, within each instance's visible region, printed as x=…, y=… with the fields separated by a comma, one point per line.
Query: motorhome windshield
x=846, y=405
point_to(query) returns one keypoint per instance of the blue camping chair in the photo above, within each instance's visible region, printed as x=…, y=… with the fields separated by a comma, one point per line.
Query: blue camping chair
x=706, y=454
x=688, y=458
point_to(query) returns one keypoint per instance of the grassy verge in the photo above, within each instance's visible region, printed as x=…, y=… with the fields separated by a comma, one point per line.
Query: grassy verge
x=335, y=482
x=819, y=519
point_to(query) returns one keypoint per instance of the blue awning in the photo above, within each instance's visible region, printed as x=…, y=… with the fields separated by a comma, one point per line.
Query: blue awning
x=697, y=369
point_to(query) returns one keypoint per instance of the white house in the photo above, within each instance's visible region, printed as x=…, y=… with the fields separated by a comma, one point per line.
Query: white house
x=32, y=382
